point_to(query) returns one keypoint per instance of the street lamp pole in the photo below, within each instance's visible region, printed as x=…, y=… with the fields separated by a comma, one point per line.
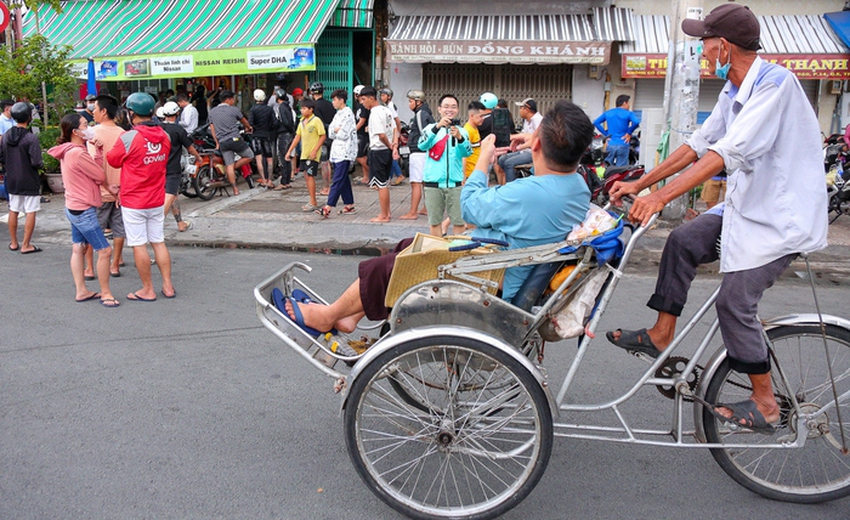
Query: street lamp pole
x=681, y=88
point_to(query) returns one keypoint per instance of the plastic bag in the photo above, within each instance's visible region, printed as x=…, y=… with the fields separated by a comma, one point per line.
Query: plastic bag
x=596, y=222
x=569, y=321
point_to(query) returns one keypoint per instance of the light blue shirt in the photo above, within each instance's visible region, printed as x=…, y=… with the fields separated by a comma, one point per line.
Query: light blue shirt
x=526, y=212
x=5, y=124
x=769, y=138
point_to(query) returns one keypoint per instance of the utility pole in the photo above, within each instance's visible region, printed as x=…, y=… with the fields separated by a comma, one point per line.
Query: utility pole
x=681, y=88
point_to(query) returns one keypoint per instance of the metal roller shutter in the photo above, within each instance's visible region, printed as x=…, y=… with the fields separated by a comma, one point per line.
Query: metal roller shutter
x=545, y=83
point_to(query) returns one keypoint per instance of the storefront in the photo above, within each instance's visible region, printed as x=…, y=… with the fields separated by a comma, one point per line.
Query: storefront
x=805, y=44
x=157, y=45
x=513, y=56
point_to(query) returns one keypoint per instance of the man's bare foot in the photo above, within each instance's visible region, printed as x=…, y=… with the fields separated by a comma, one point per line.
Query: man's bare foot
x=380, y=219
x=409, y=216
x=423, y=211
x=325, y=192
x=315, y=316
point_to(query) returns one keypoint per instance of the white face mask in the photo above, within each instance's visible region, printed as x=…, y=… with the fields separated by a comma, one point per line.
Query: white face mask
x=87, y=134
x=90, y=107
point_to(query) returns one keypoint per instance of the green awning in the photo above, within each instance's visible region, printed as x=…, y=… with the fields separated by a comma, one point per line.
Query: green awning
x=239, y=36
x=353, y=13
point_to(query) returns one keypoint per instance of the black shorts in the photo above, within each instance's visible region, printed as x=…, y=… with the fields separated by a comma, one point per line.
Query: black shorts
x=362, y=145
x=380, y=165
x=311, y=168
x=172, y=183
x=262, y=146
x=228, y=147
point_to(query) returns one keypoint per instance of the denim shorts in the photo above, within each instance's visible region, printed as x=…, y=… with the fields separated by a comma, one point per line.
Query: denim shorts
x=85, y=229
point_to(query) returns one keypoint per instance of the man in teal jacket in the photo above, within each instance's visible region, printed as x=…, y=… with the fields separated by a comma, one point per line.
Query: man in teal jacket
x=446, y=143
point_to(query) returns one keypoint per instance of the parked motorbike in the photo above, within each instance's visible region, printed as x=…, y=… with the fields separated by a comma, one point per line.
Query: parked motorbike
x=601, y=187
x=188, y=171
x=211, y=176
x=838, y=191
x=404, y=148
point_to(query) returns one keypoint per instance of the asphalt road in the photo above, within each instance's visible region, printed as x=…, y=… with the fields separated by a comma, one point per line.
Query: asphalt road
x=187, y=408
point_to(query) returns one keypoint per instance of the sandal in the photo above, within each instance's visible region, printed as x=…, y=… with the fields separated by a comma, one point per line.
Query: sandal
x=347, y=209
x=634, y=341
x=745, y=414
x=307, y=208
x=324, y=212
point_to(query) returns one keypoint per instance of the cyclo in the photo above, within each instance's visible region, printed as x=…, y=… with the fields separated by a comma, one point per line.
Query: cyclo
x=450, y=413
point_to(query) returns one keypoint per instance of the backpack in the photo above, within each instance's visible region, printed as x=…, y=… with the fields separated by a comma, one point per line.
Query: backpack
x=502, y=126
x=284, y=117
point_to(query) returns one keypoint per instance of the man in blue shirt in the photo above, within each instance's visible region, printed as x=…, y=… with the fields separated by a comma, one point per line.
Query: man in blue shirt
x=621, y=122
x=6, y=121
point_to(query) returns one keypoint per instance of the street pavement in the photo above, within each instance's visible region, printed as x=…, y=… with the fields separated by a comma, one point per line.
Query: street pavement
x=259, y=218
x=189, y=409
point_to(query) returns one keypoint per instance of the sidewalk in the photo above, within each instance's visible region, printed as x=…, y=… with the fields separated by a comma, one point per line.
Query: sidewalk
x=260, y=218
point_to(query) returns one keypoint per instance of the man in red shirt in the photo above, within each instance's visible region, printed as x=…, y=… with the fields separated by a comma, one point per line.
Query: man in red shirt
x=142, y=155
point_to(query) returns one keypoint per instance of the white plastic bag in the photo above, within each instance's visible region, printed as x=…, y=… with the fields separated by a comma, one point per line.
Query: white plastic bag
x=569, y=321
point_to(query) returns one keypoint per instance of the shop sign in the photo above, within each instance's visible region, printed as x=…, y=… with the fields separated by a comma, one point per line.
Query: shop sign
x=530, y=52
x=804, y=66
x=222, y=62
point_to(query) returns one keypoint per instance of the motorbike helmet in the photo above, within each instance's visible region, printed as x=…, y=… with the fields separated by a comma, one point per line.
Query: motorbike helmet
x=22, y=112
x=387, y=91
x=489, y=100
x=317, y=88
x=141, y=103
x=170, y=109
x=358, y=89
x=416, y=95
x=280, y=93
x=259, y=95
x=160, y=113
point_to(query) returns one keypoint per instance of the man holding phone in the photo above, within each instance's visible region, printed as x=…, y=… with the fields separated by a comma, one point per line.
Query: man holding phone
x=446, y=143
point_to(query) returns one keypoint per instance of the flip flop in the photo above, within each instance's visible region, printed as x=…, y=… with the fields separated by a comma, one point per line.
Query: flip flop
x=136, y=298
x=187, y=228
x=745, y=411
x=88, y=298
x=280, y=302
x=35, y=249
x=169, y=297
x=88, y=277
x=634, y=341
x=110, y=303
x=116, y=274
x=301, y=297
x=13, y=248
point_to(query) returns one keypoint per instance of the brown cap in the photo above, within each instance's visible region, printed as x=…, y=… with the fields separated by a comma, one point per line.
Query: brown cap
x=734, y=22
x=527, y=103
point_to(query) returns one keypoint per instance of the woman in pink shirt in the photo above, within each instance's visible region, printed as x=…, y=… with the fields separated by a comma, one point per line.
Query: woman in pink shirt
x=82, y=176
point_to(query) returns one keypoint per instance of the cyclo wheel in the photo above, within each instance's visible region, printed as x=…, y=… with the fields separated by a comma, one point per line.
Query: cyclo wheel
x=817, y=472
x=202, y=182
x=472, y=447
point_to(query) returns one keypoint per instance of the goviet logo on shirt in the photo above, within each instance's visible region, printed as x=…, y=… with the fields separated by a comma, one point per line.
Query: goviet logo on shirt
x=153, y=155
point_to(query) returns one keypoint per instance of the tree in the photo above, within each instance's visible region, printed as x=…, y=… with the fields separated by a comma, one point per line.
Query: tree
x=35, y=61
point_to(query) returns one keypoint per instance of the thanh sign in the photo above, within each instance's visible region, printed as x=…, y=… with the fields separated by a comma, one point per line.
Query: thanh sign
x=804, y=66
x=531, y=52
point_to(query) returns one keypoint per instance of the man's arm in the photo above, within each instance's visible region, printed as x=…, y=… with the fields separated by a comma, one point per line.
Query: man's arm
x=598, y=124
x=248, y=128
x=215, y=138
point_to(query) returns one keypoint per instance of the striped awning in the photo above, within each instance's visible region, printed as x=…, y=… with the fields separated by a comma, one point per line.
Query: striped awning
x=141, y=39
x=546, y=38
x=805, y=44
x=354, y=13
x=788, y=34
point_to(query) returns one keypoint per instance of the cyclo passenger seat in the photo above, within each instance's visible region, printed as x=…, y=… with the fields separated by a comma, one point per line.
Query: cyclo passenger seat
x=608, y=246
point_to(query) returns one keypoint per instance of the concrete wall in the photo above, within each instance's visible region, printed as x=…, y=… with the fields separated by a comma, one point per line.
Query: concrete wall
x=404, y=77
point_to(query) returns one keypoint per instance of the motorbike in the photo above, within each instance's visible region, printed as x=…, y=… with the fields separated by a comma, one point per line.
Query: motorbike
x=600, y=187
x=835, y=159
x=210, y=176
x=404, y=148
x=188, y=171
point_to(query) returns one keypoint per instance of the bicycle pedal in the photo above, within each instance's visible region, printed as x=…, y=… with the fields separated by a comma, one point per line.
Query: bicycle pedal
x=642, y=356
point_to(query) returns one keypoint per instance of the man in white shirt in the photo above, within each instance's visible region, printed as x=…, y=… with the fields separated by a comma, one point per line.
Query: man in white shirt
x=189, y=115
x=383, y=145
x=531, y=120
x=764, y=132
